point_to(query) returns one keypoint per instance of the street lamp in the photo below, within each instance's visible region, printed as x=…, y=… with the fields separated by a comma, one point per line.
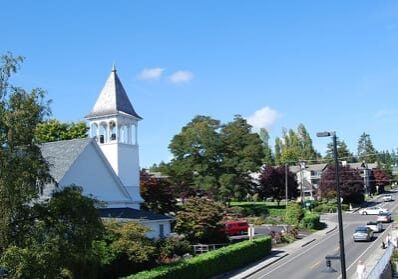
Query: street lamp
x=339, y=215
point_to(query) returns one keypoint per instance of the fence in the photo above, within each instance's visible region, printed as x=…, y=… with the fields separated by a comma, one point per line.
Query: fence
x=379, y=268
x=203, y=248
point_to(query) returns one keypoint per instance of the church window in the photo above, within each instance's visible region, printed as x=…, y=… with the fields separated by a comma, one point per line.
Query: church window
x=94, y=130
x=102, y=136
x=112, y=126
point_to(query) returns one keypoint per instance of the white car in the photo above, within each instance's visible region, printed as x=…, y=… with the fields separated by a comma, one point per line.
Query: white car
x=375, y=226
x=374, y=210
x=387, y=198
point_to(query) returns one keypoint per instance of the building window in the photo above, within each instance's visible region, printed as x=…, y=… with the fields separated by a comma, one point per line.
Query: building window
x=161, y=230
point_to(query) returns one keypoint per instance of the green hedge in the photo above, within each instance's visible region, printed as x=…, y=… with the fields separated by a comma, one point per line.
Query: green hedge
x=212, y=263
x=311, y=220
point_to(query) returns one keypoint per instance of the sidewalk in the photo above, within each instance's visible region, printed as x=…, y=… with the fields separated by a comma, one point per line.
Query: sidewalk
x=279, y=253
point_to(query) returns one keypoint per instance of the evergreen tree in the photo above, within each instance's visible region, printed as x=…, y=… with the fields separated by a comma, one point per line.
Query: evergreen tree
x=366, y=151
x=54, y=130
x=342, y=152
x=242, y=155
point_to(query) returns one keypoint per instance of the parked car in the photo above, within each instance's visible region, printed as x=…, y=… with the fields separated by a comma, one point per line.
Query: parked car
x=374, y=210
x=384, y=217
x=375, y=226
x=362, y=233
x=236, y=227
x=387, y=198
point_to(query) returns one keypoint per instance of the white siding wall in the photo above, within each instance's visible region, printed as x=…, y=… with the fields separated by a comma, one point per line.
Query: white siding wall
x=90, y=172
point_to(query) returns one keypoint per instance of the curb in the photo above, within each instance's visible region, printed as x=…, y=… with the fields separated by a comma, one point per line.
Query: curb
x=308, y=242
x=329, y=231
x=258, y=269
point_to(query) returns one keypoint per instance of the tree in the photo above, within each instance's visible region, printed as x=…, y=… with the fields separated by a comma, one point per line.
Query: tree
x=342, y=152
x=200, y=221
x=54, y=130
x=157, y=193
x=366, y=151
x=242, y=155
x=294, y=146
x=351, y=184
x=60, y=240
x=197, y=155
x=268, y=156
x=381, y=179
x=272, y=183
x=23, y=170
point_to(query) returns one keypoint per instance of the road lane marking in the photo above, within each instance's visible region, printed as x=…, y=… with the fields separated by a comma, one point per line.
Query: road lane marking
x=293, y=258
x=314, y=265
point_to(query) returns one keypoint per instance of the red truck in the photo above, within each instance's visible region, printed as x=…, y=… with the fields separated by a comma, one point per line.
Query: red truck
x=236, y=227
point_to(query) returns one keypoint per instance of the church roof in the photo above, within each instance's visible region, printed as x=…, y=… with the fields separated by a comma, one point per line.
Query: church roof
x=130, y=213
x=112, y=99
x=62, y=154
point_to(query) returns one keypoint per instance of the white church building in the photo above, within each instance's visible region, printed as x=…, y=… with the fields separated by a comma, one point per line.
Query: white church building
x=106, y=165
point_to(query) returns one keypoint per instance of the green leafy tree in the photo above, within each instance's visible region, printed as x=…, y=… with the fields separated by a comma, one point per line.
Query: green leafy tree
x=242, y=155
x=197, y=152
x=366, y=150
x=268, y=156
x=157, y=193
x=342, y=152
x=294, y=146
x=200, y=221
x=23, y=170
x=60, y=240
x=54, y=130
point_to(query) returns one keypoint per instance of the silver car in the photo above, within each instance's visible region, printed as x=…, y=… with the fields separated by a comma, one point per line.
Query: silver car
x=375, y=226
x=362, y=233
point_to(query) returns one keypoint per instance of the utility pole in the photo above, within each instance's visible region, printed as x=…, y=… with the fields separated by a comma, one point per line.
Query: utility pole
x=286, y=197
x=339, y=215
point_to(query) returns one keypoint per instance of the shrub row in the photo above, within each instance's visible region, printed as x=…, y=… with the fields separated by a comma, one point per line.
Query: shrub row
x=212, y=263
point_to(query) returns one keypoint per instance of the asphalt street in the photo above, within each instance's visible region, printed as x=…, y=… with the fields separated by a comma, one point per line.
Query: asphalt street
x=309, y=261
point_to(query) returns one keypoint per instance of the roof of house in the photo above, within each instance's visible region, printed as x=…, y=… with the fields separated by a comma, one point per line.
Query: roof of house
x=313, y=167
x=62, y=154
x=131, y=213
x=112, y=99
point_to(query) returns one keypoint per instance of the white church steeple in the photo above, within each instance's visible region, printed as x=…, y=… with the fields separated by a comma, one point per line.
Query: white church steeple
x=114, y=123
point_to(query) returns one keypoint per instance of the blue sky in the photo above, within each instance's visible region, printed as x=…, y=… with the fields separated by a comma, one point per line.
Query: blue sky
x=331, y=65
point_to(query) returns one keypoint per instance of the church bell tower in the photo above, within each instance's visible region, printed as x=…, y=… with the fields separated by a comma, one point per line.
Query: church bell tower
x=113, y=123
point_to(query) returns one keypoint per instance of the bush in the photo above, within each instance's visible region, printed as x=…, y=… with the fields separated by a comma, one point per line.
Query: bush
x=311, y=220
x=169, y=247
x=211, y=263
x=294, y=214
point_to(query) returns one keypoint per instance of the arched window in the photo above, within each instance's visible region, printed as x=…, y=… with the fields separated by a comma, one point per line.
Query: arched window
x=103, y=133
x=123, y=134
x=94, y=130
x=113, y=130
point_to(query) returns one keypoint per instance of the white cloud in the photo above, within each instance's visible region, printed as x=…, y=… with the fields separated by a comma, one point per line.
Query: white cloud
x=263, y=118
x=151, y=73
x=181, y=76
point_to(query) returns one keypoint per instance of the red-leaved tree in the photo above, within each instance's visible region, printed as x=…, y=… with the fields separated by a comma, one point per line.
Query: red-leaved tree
x=272, y=183
x=351, y=184
x=381, y=179
x=157, y=193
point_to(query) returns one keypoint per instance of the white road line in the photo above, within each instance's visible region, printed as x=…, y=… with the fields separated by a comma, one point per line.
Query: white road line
x=291, y=259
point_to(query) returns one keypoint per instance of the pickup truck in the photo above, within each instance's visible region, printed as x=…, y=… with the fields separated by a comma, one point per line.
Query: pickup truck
x=375, y=226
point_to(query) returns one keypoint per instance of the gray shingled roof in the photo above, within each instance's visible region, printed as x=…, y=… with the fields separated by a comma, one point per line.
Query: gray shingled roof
x=130, y=213
x=62, y=154
x=112, y=99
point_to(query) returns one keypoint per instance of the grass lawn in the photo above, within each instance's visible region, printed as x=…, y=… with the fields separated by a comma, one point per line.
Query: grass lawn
x=263, y=208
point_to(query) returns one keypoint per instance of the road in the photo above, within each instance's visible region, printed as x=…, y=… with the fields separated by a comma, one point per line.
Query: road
x=309, y=261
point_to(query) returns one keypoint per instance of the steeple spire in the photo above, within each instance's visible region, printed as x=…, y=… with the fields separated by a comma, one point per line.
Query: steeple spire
x=112, y=99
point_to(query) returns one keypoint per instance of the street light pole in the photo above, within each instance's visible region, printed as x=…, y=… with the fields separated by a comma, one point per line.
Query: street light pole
x=339, y=215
